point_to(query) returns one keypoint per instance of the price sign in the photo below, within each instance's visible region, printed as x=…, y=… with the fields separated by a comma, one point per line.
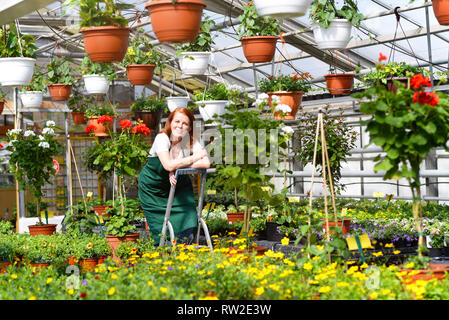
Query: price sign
x=293, y=199
x=378, y=194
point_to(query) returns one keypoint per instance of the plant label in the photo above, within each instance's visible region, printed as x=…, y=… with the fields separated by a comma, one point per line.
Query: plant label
x=293, y=199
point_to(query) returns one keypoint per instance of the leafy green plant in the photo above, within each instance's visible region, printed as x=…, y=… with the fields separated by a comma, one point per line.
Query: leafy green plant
x=59, y=71
x=141, y=51
x=119, y=226
x=106, y=69
x=37, y=82
x=151, y=103
x=217, y=91
x=98, y=109
x=10, y=46
x=254, y=25
x=3, y=96
x=79, y=102
x=323, y=12
x=286, y=83
x=204, y=40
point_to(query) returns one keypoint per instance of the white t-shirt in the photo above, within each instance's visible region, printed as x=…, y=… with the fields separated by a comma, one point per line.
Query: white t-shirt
x=162, y=143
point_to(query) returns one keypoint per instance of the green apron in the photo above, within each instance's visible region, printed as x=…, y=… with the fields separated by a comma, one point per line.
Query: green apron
x=154, y=188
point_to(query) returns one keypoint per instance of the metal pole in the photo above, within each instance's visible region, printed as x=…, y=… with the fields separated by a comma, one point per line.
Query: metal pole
x=68, y=160
x=255, y=80
x=429, y=44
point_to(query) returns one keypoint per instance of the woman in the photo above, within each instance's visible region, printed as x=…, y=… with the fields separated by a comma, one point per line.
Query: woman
x=173, y=148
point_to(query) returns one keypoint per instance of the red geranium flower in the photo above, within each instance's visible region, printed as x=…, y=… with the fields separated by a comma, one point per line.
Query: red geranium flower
x=417, y=81
x=382, y=57
x=125, y=124
x=1, y=146
x=104, y=119
x=83, y=295
x=422, y=97
x=90, y=128
x=141, y=128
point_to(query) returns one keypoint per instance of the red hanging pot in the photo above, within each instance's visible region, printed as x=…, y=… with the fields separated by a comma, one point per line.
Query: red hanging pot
x=60, y=91
x=106, y=43
x=292, y=99
x=441, y=11
x=140, y=74
x=259, y=49
x=340, y=83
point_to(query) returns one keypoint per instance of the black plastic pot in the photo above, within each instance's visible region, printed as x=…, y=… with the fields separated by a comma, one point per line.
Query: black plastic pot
x=272, y=231
x=435, y=252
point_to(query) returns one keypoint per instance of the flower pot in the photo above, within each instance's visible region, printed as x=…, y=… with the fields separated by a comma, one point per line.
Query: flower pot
x=340, y=83
x=102, y=259
x=435, y=271
x=2, y=106
x=435, y=252
x=44, y=229
x=79, y=118
x=194, y=63
x=39, y=265
x=150, y=118
x=391, y=86
x=292, y=99
x=282, y=8
x=114, y=242
x=140, y=74
x=273, y=233
x=441, y=11
x=16, y=71
x=4, y=266
x=336, y=36
x=177, y=102
x=31, y=99
x=96, y=84
x=209, y=108
x=259, y=49
x=106, y=43
x=60, y=91
x=177, y=22
x=259, y=250
x=88, y=264
x=235, y=216
x=132, y=237
x=346, y=225
x=101, y=129
x=99, y=210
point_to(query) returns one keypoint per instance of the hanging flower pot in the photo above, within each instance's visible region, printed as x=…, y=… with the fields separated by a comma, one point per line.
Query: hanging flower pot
x=282, y=8
x=44, y=229
x=336, y=36
x=16, y=71
x=96, y=84
x=340, y=83
x=140, y=74
x=60, y=91
x=212, y=107
x=100, y=129
x=79, y=118
x=150, y=118
x=177, y=102
x=194, y=63
x=105, y=43
x=292, y=99
x=391, y=86
x=2, y=106
x=31, y=99
x=259, y=49
x=177, y=22
x=441, y=11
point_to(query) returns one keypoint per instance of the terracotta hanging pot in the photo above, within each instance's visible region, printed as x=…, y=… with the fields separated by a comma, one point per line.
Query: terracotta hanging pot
x=259, y=49
x=140, y=74
x=79, y=118
x=60, y=91
x=106, y=43
x=176, y=22
x=101, y=129
x=150, y=118
x=340, y=83
x=44, y=229
x=2, y=106
x=292, y=99
x=441, y=11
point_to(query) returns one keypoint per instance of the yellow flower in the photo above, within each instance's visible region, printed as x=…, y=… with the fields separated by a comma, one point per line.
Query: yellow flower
x=409, y=265
x=377, y=254
x=49, y=280
x=396, y=251
x=111, y=291
x=14, y=276
x=307, y=266
x=342, y=284
x=131, y=51
x=260, y=291
x=285, y=241
x=89, y=245
x=114, y=276
x=32, y=298
x=150, y=283
x=163, y=289
x=374, y=295
x=389, y=245
x=70, y=291
x=325, y=289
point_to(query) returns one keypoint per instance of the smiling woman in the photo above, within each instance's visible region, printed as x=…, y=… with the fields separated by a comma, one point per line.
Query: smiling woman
x=173, y=148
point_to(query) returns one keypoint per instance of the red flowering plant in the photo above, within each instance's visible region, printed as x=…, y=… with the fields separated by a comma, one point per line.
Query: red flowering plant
x=407, y=125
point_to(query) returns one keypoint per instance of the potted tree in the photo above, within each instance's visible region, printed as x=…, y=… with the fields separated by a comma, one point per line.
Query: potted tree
x=31, y=162
x=331, y=25
x=258, y=35
x=17, y=57
x=100, y=116
x=175, y=21
x=97, y=76
x=282, y=8
x=194, y=57
x=59, y=78
x=105, y=31
x=149, y=110
x=79, y=103
x=287, y=90
x=32, y=94
x=142, y=60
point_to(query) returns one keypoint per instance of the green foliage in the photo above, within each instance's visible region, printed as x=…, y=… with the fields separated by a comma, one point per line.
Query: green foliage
x=323, y=12
x=219, y=91
x=254, y=25
x=59, y=71
x=9, y=43
x=382, y=72
x=37, y=81
x=6, y=227
x=286, y=83
x=3, y=95
x=151, y=103
x=88, y=247
x=141, y=51
x=119, y=226
x=79, y=102
x=106, y=69
x=98, y=109
x=204, y=40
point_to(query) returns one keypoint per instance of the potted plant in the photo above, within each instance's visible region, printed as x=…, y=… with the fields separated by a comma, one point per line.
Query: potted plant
x=149, y=109
x=31, y=161
x=441, y=11
x=194, y=57
x=105, y=31
x=331, y=25
x=59, y=79
x=32, y=94
x=174, y=102
x=258, y=35
x=282, y=8
x=17, y=57
x=287, y=90
x=100, y=116
x=339, y=83
x=142, y=59
x=97, y=76
x=79, y=103
x=406, y=125
x=3, y=96
x=175, y=21
x=212, y=101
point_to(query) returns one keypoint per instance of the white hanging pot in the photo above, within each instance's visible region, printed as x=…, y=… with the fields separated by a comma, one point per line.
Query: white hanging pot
x=209, y=108
x=282, y=8
x=194, y=63
x=96, y=84
x=177, y=102
x=335, y=37
x=31, y=99
x=16, y=71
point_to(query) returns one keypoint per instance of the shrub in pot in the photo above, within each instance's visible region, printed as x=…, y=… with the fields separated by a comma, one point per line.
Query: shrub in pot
x=105, y=31
x=32, y=94
x=97, y=76
x=149, y=110
x=79, y=103
x=100, y=115
x=17, y=57
x=59, y=78
x=258, y=35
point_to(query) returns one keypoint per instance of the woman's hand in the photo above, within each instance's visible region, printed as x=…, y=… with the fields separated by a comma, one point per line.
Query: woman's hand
x=200, y=154
x=171, y=177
